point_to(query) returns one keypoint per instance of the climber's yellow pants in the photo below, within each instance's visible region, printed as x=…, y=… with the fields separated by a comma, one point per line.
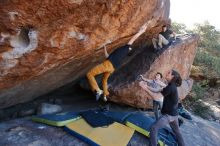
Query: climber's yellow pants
x=107, y=69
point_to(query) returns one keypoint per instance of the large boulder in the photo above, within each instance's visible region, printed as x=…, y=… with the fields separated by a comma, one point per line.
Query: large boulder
x=47, y=44
x=179, y=55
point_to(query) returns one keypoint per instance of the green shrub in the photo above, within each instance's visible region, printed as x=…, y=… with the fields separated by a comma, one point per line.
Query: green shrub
x=209, y=36
x=179, y=28
x=201, y=110
x=208, y=61
x=198, y=91
x=194, y=103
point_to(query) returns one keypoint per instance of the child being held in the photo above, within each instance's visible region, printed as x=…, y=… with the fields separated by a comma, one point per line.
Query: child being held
x=154, y=85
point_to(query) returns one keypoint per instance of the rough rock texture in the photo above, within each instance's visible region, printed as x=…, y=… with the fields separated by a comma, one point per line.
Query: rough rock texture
x=179, y=55
x=47, y=44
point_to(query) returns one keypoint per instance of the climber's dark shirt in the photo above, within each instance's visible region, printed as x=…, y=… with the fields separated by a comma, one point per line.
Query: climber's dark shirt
x=166, y=34
x=118, y=56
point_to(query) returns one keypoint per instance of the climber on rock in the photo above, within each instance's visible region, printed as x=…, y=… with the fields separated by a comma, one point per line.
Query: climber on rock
x=164, y=37
x=150, y=86
x=112, y=62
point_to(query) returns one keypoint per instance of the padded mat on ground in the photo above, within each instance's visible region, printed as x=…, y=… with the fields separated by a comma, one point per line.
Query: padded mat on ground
x=118, y=116
x=60, y=119
x=96, y=118
x=142, y=123
x=115, y=134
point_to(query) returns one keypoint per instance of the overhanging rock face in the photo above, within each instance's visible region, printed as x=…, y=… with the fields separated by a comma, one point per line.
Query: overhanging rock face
x=179, y=55
x=47, y=44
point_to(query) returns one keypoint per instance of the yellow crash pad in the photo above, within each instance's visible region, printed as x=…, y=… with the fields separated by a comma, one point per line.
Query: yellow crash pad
x=115, y=134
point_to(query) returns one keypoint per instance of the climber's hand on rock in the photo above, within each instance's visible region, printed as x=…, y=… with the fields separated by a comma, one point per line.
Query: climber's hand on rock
x=143, y=28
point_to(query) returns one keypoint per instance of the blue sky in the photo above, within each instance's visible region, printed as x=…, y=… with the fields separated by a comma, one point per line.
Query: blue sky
x=195, y=11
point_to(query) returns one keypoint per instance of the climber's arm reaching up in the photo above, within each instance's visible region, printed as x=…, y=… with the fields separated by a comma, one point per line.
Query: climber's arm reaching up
x=106, y=53
x=141, y=31
x=144, y=79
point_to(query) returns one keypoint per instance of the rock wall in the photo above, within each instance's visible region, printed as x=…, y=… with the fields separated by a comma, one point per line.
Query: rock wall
x=179, y=55
x=47, y=44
